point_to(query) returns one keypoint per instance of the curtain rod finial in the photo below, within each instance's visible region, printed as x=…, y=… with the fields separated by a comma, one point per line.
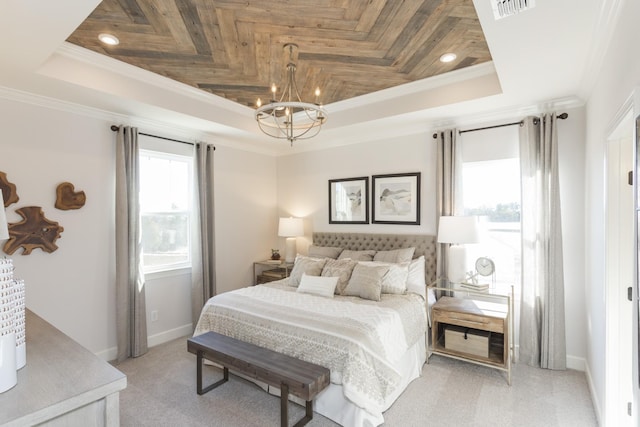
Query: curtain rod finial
x=115, y=128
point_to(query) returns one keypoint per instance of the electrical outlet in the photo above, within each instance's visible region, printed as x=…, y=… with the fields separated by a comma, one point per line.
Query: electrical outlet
x=154, y=316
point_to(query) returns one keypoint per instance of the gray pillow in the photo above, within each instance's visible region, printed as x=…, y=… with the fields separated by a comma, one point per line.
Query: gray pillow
x=396, y=255
x=340, y=268
x=366, y=282
x=324, y=252
x=305, y=265
x=357, y=255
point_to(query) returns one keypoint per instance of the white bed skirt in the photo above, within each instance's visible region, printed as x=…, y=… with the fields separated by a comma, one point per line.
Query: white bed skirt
x=332, y=404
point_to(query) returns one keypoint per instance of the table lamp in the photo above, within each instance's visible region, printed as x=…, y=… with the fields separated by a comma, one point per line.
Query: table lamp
x=290, y=228
x=458, y=231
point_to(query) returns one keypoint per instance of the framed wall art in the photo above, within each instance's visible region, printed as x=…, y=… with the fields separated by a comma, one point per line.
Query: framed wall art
x=396, y=199
x=348, y=200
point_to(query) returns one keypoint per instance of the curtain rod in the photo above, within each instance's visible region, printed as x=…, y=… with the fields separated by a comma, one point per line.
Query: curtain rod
x=521, y=122
x=116, y=128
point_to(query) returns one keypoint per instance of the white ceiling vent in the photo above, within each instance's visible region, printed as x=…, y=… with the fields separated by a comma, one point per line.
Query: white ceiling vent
x=505, y=8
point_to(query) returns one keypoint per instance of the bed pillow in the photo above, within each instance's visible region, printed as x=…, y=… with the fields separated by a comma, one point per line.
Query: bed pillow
x=396, y=255
x=366, y=281
x=415, y=279
x=340, y=268
x=324, y=252
x=305, y=265
x=395, y=279
x=357, y=255
x=315, y=285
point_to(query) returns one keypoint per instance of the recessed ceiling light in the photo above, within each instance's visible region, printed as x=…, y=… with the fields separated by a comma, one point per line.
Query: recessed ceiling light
x=109, y=39
x=448, y=57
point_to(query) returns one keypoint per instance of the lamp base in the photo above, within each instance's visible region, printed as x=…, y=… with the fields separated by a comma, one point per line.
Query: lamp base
x=291, y=249
x=457, y=263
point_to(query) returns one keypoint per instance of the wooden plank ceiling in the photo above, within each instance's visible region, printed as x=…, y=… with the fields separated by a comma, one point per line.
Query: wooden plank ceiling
x=234, y=48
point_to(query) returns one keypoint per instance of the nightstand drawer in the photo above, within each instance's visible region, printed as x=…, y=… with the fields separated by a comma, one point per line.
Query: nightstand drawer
x=469, y=320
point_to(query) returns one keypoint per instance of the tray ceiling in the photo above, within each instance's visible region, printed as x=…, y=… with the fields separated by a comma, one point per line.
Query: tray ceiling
x=234, y=49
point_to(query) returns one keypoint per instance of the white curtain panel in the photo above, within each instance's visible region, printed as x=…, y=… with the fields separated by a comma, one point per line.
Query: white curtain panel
x=131, y=319
x=542, y=323
x=203, y=276
x=448, y=189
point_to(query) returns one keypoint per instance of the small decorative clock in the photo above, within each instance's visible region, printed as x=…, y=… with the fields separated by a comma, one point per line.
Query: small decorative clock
x=485, y=266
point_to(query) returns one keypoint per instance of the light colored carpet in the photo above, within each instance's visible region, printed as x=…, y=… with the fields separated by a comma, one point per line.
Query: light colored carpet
x=161, y=392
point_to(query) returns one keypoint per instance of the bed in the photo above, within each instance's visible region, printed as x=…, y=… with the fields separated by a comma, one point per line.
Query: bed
x=368, y=330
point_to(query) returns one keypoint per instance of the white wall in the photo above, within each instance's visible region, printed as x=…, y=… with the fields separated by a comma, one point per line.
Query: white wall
x=303, y=182
x=72, y=288
x=618, y=78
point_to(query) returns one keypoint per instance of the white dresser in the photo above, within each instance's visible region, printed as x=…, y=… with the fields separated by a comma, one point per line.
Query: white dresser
x=63, y=384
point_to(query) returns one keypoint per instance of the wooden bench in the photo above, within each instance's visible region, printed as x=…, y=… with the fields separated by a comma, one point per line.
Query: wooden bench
x=302, y=379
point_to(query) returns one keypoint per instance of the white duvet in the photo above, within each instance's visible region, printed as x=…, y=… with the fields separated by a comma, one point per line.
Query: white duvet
x=360, y=341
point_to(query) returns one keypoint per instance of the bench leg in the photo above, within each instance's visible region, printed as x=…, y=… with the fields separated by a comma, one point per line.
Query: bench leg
x=284, y=409
x=199, y=362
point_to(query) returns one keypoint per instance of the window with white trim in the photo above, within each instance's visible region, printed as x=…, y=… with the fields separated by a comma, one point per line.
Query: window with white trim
x=491, y=190
x=166, y=188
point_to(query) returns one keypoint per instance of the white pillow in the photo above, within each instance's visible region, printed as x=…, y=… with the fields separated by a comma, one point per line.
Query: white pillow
x=415, y=280
x=317, y=285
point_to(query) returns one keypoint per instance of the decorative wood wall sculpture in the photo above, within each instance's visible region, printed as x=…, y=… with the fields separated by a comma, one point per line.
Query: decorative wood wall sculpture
x=8, y=190
x=34, y=231
x=67, y=198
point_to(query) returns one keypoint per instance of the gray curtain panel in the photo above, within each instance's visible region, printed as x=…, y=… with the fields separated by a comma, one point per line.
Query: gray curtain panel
x=131, y=319
x=203, y=276
x=448, y=190
x=542, y=324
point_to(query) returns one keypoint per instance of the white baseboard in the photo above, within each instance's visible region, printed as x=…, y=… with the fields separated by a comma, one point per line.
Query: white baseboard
x=573, y=362
x=594, y=397
x=169, y=335
x=576, y=363
x=152, y=341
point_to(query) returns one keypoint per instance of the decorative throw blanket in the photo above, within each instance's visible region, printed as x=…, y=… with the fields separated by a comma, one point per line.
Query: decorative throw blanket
x=360, y=341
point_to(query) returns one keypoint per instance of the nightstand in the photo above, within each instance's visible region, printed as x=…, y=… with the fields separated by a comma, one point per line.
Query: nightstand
x=473, y=330
x=270, y=270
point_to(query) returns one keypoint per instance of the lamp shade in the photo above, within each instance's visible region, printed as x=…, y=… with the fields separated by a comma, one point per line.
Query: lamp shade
x=458, y=229
x=4, y=229
x=290, y=227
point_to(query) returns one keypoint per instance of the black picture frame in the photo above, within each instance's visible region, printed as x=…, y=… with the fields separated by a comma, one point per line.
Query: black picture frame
x=349, y=200
x=395, y=198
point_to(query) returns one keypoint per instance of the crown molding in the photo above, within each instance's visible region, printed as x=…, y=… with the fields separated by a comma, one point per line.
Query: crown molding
x=411, y=88
x=89, y=57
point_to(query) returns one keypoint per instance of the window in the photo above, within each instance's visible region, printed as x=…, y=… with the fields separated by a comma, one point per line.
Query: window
x=492, y=192
x=166, y=188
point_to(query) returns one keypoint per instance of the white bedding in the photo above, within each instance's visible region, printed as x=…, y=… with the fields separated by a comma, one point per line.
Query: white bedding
x=364, y=343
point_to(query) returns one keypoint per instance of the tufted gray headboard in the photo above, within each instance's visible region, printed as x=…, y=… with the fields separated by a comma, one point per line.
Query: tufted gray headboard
x=424, y=244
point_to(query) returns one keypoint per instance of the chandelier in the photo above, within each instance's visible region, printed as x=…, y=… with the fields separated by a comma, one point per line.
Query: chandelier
x=289, y=118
